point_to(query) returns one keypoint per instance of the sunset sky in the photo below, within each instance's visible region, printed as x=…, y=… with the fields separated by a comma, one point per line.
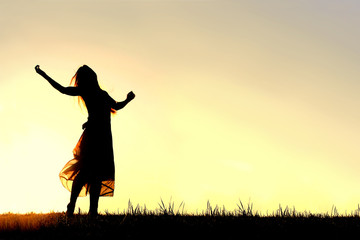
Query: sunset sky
x=234, y=100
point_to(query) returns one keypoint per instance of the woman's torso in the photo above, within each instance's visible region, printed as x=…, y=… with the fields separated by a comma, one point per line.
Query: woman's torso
x=98, y=105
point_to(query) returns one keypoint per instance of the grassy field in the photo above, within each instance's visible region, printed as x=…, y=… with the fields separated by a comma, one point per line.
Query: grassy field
x=166, y=222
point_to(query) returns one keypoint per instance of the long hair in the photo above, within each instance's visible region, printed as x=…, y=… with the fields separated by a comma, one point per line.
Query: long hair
x=86, y=79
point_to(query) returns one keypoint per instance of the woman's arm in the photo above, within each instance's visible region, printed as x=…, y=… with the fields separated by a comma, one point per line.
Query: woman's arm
x=120, y=105
x=72, y=91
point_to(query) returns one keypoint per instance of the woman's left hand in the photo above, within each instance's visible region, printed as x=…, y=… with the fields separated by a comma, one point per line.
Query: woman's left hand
x=130, y=96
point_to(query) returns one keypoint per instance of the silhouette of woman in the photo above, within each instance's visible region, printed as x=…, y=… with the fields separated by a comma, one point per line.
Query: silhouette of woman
x=92, y=170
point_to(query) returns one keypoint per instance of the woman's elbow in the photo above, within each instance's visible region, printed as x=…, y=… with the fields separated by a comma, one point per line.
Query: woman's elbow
x=119, y=106
x=72, y=91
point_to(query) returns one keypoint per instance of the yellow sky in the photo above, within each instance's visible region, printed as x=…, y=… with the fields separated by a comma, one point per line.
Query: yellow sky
x=235, y=100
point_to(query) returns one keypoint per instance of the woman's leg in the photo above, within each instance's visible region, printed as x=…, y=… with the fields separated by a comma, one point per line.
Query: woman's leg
x=95, y=188
x=78, y=183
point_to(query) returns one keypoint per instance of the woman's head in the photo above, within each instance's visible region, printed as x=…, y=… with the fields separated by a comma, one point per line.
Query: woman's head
x=85, y=78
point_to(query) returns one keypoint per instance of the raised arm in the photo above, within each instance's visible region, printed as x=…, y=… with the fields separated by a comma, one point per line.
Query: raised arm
x=120, y=105
x=72, y=91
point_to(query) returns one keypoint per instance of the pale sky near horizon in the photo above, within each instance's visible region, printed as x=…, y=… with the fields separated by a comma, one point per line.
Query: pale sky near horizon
x=234, y=100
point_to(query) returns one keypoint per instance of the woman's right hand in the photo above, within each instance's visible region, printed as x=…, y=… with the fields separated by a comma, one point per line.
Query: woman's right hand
x=38, y=70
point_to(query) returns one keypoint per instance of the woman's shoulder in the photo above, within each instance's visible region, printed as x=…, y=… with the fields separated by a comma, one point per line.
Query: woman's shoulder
x=104, y=93
x=107, y=96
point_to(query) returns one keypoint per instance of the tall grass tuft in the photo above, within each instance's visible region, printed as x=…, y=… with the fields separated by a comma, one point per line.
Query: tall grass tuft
x=170, y=208
x=245, y=211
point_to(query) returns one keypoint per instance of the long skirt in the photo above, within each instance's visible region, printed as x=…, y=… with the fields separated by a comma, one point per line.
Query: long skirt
x=93, y=161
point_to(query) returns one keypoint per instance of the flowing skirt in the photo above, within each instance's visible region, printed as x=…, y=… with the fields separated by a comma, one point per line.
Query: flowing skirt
x=93, y=160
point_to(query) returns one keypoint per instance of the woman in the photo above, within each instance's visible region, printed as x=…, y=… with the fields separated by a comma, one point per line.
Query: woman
x=92, y=170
